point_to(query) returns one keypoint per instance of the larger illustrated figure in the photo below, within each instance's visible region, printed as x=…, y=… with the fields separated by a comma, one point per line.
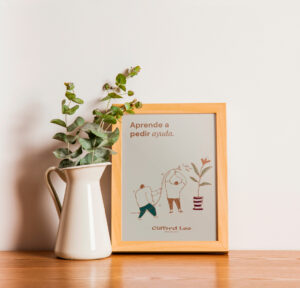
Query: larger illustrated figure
x=174, y=183
x=146, y=199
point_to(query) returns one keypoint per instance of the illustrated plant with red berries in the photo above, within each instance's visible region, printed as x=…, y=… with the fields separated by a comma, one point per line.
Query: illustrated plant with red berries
x=200, y=172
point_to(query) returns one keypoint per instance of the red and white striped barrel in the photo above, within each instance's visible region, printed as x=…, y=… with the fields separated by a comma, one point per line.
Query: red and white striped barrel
x=198, y=201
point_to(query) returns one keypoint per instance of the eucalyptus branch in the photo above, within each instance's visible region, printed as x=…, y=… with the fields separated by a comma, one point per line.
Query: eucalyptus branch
x=66, y=120
x=95, y=146
x=111, y=115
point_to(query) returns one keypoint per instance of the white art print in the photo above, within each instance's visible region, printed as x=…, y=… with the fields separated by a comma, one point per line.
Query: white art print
x=169, y=177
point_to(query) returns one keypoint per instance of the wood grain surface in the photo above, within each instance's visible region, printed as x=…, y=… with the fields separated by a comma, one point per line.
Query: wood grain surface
x=253, y=269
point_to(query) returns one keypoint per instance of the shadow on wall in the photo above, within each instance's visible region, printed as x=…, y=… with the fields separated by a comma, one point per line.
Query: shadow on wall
x=37, y=226
x=38, y=221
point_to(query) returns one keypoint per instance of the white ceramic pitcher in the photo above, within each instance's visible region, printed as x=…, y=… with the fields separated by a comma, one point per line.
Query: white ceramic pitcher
x=83, y=231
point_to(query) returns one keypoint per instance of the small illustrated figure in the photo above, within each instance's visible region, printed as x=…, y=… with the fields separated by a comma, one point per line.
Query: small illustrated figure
x=174, y=184
x=147, y=199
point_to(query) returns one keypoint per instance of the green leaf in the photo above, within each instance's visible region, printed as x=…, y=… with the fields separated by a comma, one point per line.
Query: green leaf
x=76, y=153
x=97, y=112
x=96, y=157
x=105, y=117
x=195, y=169
x=86, y=144
x=101, y=152
x=137, y=69
x=72, y=110
x=101, y=159
x=60, y=137
x=64, y=107
x=134, y=71
x=111, y=138
x=71, y=139
x=95, y=140
x=87, y=159
x=114, y=95
x=204, y=184
x=70, y=95
x=90, y=127
x=97, y=120
x=116, y=110
x=109, y=119
x=120, y=79
x=106, y=86
x=58, y=122
x=130, y=93
x=112, y=152
x=65, y=138
x=66, y=110
x=127, y=106
x=61, y=153
x=111, y=95
x=78, y=100
x=101, y=155
x=205, y=170
x=79, y=121
x=123, y=87
x=69, y=85
x=130, y=111
x=138, y=105
x=194, y=179
x=66, y=163
x=115, y=113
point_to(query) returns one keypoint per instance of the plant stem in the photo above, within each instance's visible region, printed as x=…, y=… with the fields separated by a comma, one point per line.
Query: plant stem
x=107, y=106
x=67, y=123
x=66, y=118
x=199, y=181
x=106, y=112
x=107, y=127
x=93, y=152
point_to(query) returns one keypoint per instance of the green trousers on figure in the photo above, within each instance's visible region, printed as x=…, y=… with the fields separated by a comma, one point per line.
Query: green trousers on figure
x=148, y=207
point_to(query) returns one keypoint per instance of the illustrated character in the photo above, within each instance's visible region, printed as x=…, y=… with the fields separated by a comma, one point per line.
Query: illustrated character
x=146, y=199
x=174, y=182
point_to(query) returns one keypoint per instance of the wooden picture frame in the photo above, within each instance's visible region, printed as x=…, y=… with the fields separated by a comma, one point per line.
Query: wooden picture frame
x=221, y=242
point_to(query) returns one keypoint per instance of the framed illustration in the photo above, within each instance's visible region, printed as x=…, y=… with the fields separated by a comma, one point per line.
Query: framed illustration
x=169, y=180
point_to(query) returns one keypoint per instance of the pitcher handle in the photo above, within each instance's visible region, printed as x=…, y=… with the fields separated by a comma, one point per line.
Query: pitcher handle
x=51, y=188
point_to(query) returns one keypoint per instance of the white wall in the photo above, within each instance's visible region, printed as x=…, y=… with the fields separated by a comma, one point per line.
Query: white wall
x=243, y=52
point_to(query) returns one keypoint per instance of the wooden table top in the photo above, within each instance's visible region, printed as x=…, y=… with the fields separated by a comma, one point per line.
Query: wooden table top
x=253, y=269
